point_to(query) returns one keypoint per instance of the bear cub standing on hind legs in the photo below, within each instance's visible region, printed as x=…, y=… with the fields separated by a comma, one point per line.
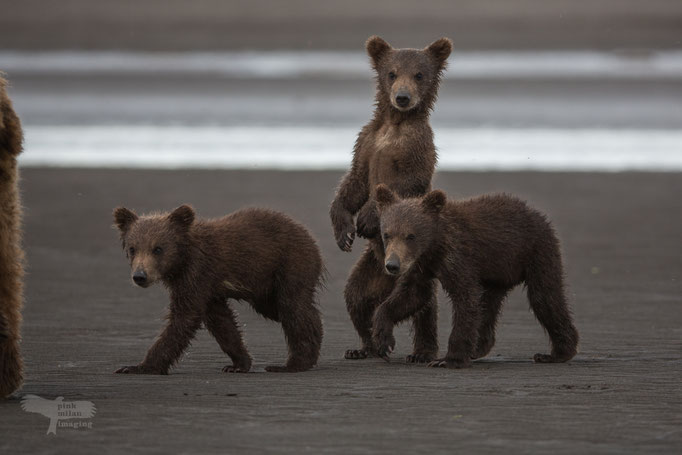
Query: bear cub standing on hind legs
x=395, y=148
x=11, y=253
x=256, y=255
x=479, y=249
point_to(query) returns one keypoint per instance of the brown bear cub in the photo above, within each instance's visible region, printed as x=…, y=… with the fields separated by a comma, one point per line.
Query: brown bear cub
x=479, y=249
x=11, y=253
x=256, y=255
x=395, y=148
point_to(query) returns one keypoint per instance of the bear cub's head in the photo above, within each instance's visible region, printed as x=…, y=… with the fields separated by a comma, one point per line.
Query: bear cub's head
x=156, y=245
x=408, y=78
x=408, y=227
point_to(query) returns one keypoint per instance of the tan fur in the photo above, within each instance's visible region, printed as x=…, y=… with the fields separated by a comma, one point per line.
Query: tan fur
x=11, y=254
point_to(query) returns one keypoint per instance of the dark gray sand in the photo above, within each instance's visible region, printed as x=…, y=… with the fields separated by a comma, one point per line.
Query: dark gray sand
x=84, y=319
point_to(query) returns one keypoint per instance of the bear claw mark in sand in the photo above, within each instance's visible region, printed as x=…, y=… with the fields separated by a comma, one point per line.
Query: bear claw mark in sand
x=479, y=250
x=258, y=256
x=395, y=148
x=11, y=252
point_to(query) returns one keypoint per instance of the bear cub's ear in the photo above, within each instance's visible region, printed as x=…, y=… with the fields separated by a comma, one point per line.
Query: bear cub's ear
x=384, y=196
x=124, y=218
x=440, y=50
x=377, y=48
x=434, y=201
x=182, y=217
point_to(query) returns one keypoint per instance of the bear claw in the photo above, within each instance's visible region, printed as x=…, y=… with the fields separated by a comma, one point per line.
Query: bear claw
x=548, y=358
x=356, y=354
x=452, y=364
x=345, y=239
x=234, y=369
x=418, y=358
x=284, y=369
x=137, y=369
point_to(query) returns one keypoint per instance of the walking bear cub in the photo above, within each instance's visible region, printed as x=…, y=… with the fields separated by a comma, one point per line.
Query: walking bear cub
x=479, y=249
x=395, y=148
x=256, y=255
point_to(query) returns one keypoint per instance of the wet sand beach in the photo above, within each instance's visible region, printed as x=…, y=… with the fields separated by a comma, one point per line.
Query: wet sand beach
x=84, y=319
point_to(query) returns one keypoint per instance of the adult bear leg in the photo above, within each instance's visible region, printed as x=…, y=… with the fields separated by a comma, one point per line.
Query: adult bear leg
x=10, y=366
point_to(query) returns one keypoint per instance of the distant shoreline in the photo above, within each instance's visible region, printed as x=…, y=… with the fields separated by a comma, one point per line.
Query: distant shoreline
x=566, y=64
x=329, y=148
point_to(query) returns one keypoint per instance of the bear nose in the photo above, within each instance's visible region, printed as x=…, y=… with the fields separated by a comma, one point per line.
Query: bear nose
x=393, y=265
x=402, y=99
x=140, y=277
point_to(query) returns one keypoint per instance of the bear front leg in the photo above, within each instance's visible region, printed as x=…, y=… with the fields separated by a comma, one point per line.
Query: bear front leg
x=367, y=223
x=466, y=320
x=410, y=294
x=425, y=329
x=221, y=322
x=168, y=347
x=344, y=228
x=350, y=197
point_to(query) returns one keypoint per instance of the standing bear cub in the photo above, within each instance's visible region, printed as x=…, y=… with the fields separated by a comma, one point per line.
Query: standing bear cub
x=395, y=148
x=256, y=255
x=479, y=250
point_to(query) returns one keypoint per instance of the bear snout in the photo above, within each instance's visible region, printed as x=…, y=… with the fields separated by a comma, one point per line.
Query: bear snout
x=402, y=98
x=392, y=265
x=140, y=278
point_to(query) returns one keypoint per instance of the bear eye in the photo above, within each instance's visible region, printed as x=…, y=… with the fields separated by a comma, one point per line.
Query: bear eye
x=391, y=76
x=419, y=76
x=131, y=251
x=411, y=236
x=157, y=251
x=386, y=236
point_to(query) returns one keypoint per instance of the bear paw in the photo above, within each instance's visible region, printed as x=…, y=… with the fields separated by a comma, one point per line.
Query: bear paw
x=386, y=345
x=357, y=354
x=345, y=237
x=367, y=224
x=419, y=358
x=450, y=363
x=139, y=369
x=234, y=369
x=286, y=368
x=551, y=358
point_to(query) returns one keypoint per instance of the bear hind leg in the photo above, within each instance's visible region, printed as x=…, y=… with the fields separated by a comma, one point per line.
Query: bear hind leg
x=302, y=326
x=366, y=288
x=548, y=302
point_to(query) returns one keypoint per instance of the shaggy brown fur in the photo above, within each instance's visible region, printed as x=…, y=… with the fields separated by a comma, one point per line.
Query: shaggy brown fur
x=11, y=254
x=256, y=255
x=479, y=250
x=395, y=148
